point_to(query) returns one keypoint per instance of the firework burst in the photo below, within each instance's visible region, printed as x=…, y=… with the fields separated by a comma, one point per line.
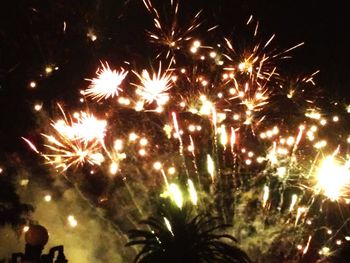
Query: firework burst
x=170, y=36
x=216, y=132
x=107, y=84
x=154, y=87
x=74, y=141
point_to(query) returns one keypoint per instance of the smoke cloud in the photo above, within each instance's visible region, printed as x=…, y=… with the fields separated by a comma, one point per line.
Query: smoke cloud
x=71, y=222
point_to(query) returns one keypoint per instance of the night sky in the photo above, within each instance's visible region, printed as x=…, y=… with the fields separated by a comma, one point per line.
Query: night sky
x=31, y=37
x=37, y=34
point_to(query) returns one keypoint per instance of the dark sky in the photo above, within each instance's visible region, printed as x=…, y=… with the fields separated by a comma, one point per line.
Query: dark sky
x=31, y=36
x=322, y=25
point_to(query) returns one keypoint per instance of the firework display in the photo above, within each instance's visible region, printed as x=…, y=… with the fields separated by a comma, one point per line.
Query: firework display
x=214, y=125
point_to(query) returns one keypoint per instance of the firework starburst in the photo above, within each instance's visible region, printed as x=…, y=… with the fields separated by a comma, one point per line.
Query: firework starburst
x=222, y=131
x=106, y=84
x=154, y=87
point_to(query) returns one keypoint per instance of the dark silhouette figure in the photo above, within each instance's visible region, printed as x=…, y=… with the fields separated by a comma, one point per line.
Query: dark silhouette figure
x=36, y=238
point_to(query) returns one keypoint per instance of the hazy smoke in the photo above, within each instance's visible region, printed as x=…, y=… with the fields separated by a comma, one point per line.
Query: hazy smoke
x=71, y=222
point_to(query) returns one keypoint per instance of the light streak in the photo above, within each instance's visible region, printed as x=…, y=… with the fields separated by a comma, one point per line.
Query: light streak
x=176, y=194
x=192, y=191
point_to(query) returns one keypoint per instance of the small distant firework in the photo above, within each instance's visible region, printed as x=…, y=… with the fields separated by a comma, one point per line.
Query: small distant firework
x=170, y=36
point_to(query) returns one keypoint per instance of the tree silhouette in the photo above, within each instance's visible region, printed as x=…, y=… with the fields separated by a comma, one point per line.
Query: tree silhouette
x=12, y=211
x=177, y=236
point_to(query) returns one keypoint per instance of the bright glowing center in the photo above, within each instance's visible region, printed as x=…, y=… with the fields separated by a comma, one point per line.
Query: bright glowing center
x=333, y=178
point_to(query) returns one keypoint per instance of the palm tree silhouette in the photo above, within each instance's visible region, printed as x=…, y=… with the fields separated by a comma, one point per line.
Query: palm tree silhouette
x=176, y=236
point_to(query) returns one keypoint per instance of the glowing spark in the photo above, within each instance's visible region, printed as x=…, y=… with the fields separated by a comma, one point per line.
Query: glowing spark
x=107, y=84
x=126, y=102
x=260, y=159
x=307, y=245
x=245, y=67
x=133, y=136
x=266, y=195
x=157, y=165
x=143, y=142
x=223, y=137
x=192, y=191
x=325, y=251
x=210, y=167
x=191, y=128
x=167, y=129
x=113, y=169
x=300, y=134
x=212, y=54
x=233, y=138
x=171, y=170
x=214, y=119
x=48, y=70
x=118, y=145
x=323, y=122
x=206, y=107
x=31, y=145
x=313, y=114
x=272, y=156
x=320, y=144
x=176, y=194
x=47, y=198
x=91, y=34
x=197, y=44
x=24, y=182
x=281, y=171
x=32, y=84
x=168, y=225
x=177, y=130
x=38, y=107
x=72, y=221
x=300, y=212
x=164, y=177
x=293, y=202
x=290, y=94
